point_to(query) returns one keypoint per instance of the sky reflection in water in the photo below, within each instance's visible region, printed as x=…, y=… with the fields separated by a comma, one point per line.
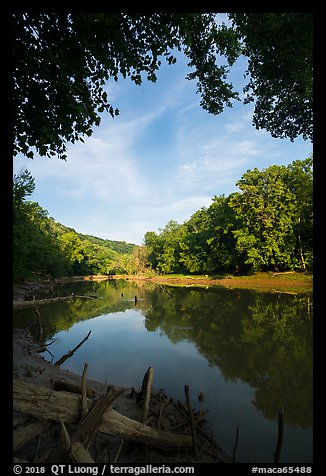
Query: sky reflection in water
x=248, y=352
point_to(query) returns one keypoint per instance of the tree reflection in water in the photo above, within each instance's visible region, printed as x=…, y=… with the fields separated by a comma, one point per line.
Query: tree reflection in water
x=263, y=339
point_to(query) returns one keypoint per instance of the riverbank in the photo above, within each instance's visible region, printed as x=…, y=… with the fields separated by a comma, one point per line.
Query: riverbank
x=45, y=395
x=31, y=369
x=289, y=282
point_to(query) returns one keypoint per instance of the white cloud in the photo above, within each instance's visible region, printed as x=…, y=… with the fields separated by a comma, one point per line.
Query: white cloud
x=104, y=171
x=215, y=164
x=163, y=158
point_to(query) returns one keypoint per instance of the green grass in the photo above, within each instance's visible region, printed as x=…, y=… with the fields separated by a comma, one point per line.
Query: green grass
x=260, y=281
x=296, y=276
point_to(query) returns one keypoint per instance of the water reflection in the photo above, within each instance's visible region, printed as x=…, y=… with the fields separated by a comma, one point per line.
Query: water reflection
x=262, y=340
x=63, y=315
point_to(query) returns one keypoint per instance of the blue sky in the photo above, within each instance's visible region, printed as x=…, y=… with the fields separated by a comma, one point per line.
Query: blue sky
x=162, y=158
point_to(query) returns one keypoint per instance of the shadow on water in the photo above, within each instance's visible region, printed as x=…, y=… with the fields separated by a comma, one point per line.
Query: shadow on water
x=251, y=352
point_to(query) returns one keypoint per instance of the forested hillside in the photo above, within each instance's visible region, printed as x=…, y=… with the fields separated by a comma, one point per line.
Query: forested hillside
x=41, y=245
x=119, y=246
x=267, y=225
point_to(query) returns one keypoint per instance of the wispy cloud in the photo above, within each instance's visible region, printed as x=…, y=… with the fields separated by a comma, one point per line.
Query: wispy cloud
x=163, y=158
x=213, y=163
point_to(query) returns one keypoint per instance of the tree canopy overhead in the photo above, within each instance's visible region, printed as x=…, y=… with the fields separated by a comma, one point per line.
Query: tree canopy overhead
x=62, y=62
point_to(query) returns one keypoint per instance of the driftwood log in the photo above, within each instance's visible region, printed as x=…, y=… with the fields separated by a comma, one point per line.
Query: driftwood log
x=39, y=302
x=93, y=420
x=77, y=452
x=17, y=304
x=80, y=454
x=72, y=387
x=47, y=404
x=116, y=424
x=25, y=433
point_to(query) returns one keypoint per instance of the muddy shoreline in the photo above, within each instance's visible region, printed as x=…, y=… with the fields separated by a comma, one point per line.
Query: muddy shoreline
x=273, y=282
x=166, y=415
x=30, y=368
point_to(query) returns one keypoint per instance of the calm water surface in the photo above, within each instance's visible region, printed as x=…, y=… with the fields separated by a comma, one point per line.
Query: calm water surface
x=248, y=352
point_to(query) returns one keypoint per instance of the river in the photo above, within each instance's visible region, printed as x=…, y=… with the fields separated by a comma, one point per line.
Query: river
x=247, y=352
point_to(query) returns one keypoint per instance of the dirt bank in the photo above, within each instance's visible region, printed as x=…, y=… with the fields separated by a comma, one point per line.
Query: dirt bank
x=264, y=282
x=291, y=283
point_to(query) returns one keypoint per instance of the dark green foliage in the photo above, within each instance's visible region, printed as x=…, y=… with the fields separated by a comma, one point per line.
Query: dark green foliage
x=273, y=207
x=119, y=246
x=164, y=249
x=280, y=68
x=40, y=245
x=62, y=63
x=35, y=249
x=266, y=226
x=209, y=243
x=63, y=60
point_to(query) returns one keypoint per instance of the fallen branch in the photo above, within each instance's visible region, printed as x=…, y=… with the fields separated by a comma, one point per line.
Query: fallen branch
x=84, y=403
x=66, y=442
x=284, y=292
x=45, y=403
x=71, y=387
x=87, y=427
x=235, y=445
x=84, y=296
x=116, y=424
x=17, y=304
x=163, y=407
x=282, y=272
x=182, y=410
x=163, y=289
x=118, y=452
x=79, y=454
x=71, y=352
x=39, y=302
x=192, y=425
x=75, y=450
x=44, y=346
x=20, y=461
x=51, y=405
x=25, y=433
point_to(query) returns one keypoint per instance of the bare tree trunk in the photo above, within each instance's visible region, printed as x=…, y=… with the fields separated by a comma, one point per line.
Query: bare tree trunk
x=300, y=246
x=148, y=380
